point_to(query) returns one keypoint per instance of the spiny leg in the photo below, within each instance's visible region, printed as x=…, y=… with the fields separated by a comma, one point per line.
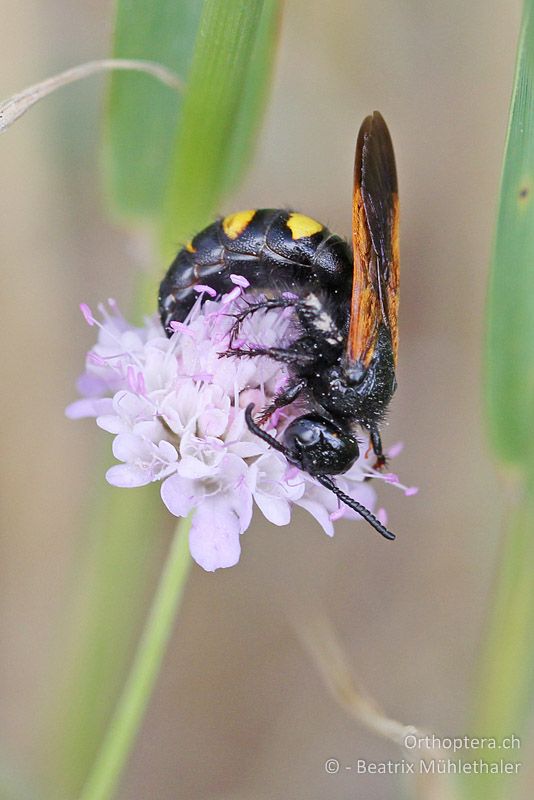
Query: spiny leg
x=284, y=398
x=252, y=308
x=282, y=354
x=376, y=441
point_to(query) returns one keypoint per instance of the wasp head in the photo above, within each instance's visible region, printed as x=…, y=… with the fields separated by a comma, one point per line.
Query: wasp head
x=319, y=447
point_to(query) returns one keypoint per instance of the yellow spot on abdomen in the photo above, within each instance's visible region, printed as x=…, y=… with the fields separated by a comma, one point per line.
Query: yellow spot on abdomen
x=235, y=224
x=189, y=247
x=301, y=226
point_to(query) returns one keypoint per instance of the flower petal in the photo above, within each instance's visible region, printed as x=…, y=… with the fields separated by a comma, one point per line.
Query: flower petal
x=317, y=509
x=275, y=509
x=89, y=408
x=127, y=476
x=111, y=423
x=127, y=447
x=179, y=495
x=214, y=535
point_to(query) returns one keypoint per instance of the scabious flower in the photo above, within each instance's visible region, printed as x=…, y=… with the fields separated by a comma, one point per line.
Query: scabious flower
x=176, y=410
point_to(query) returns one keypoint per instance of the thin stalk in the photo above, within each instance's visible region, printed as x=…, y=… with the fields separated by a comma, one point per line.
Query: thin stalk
x=122, y=731
x=17, y=105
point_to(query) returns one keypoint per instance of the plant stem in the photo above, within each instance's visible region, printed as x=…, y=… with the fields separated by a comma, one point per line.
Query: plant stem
x=121, y=733
x=17, y=105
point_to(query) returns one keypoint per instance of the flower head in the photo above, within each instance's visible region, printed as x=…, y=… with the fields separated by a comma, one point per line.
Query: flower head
x=176, y=410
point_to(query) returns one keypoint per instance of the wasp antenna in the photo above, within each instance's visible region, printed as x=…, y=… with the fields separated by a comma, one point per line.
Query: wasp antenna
x=255, y=428
x=324, y=480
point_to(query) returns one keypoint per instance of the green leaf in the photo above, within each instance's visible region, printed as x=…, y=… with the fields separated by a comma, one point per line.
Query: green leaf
x=142, y=116
x=219, y=113
x=254, y=95
x=504, y=685
x=510, y=333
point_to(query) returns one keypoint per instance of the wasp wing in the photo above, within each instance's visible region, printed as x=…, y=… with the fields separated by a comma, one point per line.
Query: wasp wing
x=375, y=238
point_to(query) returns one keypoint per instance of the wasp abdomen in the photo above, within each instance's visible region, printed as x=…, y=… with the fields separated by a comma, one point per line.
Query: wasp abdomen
x=266, y=246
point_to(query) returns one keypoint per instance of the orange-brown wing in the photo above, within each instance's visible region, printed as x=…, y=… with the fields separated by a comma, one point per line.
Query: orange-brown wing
x=375, y=240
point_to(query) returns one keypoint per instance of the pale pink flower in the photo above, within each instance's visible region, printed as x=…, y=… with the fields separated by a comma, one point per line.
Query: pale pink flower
x=176, y=410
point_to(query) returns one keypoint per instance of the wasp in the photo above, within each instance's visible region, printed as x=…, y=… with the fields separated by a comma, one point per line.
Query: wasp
x=344, y=302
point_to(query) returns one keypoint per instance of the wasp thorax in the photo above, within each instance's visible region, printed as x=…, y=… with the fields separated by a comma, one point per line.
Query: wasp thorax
x=319, y=447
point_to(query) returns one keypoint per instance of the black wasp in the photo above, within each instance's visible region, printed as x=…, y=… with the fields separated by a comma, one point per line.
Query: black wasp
x=343, y=357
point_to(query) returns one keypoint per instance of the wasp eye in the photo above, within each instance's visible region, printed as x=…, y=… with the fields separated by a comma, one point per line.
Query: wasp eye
x=307, y=435
x=303, y=433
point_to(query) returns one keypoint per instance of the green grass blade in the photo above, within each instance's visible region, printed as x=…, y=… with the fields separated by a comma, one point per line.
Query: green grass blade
x=254, y=95
x=218, y=91
x=510, y=336
x=505, y=690
x=142, y=117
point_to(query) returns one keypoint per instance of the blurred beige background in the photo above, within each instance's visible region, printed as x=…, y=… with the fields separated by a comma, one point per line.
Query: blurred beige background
x=239, y=711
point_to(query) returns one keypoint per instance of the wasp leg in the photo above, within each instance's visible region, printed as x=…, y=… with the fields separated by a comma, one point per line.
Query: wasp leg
x=376, y=441
x=281, y=354
x=285, y=397
x=252, y=308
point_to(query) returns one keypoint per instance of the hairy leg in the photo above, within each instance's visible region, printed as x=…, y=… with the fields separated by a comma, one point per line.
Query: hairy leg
x=282, y=354
x=282, y=399
x=261, y=305
x=376, y=441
